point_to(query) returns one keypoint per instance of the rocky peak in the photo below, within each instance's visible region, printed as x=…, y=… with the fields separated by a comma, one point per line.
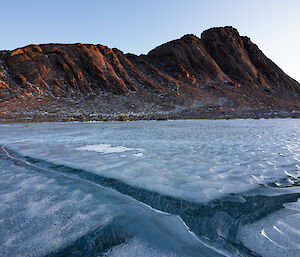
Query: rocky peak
x=227, y=30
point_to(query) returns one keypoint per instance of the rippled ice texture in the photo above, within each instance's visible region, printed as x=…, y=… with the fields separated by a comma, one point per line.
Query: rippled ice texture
x=276, y=235
x=194, y=160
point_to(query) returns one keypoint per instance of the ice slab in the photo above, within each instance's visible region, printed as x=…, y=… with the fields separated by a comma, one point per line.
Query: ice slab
x=43, y=212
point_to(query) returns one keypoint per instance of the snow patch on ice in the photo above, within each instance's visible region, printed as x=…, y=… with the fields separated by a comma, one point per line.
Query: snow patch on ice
x=106, y=148
x=136, y=247
x=138, y=154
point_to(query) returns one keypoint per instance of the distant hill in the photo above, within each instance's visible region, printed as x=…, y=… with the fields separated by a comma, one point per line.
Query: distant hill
x=217, y=75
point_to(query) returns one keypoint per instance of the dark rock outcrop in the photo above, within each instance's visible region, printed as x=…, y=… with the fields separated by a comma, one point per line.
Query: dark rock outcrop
x=222, y=70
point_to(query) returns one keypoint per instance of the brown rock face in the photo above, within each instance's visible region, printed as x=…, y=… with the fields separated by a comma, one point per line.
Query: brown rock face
x=243, y=62
x=221, y=65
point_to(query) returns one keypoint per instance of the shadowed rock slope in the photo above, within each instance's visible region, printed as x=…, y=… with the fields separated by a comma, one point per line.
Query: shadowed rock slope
x=221, y=72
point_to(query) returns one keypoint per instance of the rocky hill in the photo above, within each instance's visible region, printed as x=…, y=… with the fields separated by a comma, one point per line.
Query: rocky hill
x=221, y=74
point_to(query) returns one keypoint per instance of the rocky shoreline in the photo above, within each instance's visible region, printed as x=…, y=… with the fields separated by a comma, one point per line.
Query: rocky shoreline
x=212, y=115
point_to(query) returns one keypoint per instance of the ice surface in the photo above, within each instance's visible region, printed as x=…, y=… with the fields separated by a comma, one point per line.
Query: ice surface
x=193, y=160
x=230, y=181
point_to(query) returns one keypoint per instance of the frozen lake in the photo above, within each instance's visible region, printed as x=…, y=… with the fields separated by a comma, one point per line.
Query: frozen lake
x=150, y=188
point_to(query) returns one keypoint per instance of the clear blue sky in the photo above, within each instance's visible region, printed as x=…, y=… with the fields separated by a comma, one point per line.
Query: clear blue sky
x=137, y=26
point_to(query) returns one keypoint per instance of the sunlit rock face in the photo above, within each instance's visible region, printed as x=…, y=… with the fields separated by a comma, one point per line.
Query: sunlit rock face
x=220, y=69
